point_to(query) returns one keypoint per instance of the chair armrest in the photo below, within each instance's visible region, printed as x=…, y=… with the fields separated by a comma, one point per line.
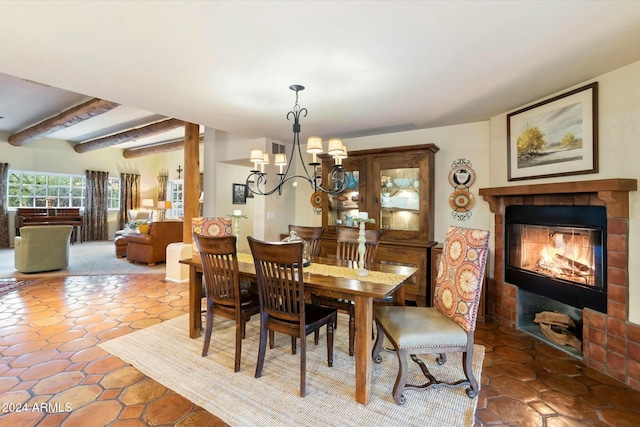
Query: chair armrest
x=143, y=239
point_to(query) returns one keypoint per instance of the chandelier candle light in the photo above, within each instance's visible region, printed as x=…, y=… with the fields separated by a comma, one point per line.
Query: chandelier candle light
x=257, y=179
x=235, y=219
x=362, y=219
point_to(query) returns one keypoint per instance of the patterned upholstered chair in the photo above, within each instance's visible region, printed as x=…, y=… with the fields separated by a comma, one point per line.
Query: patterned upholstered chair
x=215, y=226
x=449, y=325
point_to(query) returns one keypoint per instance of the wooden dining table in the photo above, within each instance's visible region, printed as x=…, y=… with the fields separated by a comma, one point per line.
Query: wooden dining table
x=360, y=289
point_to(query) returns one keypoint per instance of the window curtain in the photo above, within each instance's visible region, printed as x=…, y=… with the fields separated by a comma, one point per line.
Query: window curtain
x=162, y=187
x=4, y=211
x=96, y=210
x=129, y=196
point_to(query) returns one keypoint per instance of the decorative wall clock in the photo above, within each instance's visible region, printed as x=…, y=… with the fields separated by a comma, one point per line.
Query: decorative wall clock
x=461, y=177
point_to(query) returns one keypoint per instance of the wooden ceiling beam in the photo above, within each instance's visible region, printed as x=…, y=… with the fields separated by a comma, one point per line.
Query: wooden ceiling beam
x=156, y=149
x=122, y=137
x=67, y=118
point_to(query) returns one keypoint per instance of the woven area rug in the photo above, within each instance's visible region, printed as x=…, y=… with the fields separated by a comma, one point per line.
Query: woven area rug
x=85, y=259
x=165, y=353
x=8, y=285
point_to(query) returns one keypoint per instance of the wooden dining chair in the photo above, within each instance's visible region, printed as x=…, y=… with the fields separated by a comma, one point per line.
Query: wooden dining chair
x=448, y=326
x=347, y=250
x=282, y=301
x=312, y=235
x=222, y=288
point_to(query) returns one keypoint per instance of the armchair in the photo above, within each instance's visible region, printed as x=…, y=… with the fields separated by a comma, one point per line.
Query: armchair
x=42, y=248
x=151, y=248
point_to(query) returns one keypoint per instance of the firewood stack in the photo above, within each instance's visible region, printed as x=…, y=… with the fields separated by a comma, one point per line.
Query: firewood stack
x=558, y=328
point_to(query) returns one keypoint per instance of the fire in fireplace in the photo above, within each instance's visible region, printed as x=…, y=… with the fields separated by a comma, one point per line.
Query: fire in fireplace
x=558, y=252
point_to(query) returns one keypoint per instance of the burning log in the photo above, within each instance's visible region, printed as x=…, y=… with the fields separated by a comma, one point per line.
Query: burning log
x=558, y=328
x=579, y=268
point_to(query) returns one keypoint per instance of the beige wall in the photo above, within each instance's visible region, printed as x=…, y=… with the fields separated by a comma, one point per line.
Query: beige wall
x=55, y=156
x=618, y=136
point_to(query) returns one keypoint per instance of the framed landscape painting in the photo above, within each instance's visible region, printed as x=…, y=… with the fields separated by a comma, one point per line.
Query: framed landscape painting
x=555, y=137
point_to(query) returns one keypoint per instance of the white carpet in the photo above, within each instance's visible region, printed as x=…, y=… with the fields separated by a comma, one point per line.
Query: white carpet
x=85, y=259
x=165, y=353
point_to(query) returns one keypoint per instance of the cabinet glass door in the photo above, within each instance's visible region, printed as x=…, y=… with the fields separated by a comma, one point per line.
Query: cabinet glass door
x=176, y=192
x=400, y=199
x=343, y=207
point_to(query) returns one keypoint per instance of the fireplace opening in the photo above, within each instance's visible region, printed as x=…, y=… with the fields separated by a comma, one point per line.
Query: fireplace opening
x=558, y=252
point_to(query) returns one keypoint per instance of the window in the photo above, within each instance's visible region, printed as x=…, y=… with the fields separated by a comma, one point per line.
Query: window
x=36, y=189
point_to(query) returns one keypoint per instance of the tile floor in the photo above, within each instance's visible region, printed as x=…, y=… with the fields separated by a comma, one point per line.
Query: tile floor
x=50, y=361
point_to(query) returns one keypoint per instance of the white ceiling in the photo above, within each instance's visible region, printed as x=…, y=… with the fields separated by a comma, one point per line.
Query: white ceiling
x=369, y=66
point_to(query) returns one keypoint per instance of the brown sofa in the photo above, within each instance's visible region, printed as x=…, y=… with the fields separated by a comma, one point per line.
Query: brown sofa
x=151, y=248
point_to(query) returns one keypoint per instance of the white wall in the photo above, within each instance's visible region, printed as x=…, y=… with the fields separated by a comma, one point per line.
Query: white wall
x=619, y=151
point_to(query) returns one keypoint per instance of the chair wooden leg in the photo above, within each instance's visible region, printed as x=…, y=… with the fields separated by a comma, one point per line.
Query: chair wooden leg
x=401, y=379
x=377, y=346
x=207, y=335
x=271, y=333
x=293, y=345
x=303, y=366
x=352, y=333
x=239, y=331
x=261, y=350
x=330, y=344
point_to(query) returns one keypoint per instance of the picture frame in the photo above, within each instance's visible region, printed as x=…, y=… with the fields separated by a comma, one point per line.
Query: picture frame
x=239, y=194
x=555, y=137
x=249, y=194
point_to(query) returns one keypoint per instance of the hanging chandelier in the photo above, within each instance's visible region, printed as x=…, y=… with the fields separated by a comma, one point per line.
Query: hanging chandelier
x=257, y=179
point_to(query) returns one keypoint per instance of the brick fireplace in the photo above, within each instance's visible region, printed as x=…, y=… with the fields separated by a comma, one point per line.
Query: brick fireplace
x=611, y=344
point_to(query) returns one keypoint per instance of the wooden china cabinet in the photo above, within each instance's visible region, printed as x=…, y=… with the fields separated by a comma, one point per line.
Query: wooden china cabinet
x=396, y=187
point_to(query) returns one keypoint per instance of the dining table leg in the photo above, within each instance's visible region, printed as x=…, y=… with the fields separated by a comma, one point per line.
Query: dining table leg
x=363, y=347
x=195, y=302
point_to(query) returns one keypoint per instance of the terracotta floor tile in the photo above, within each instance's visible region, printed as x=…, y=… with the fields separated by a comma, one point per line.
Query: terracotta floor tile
x=79, y=344
x=19, y=419
x=58, y=382
x=122, y=377
x=563, y=383
x=78, y=397
x=516, y=413
x=572, y=406
x=88, y=355
x=99, y=413
x=104, y=365
x=66, y=336
x=167, y=409
x=511, y=387
x=45, y=369
x=143, y=392
x=620, y=417
x=515, y=370
x=53, y=420
x=132, y=411
x=24, y=348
